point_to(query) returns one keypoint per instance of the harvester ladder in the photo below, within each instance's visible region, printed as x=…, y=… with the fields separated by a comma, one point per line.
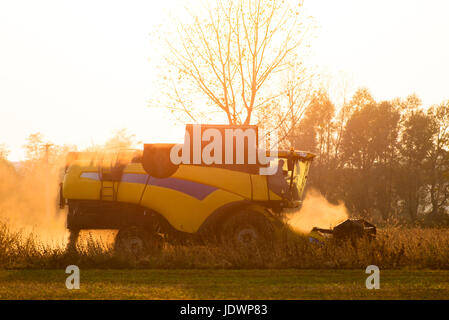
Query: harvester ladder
x=107, y=188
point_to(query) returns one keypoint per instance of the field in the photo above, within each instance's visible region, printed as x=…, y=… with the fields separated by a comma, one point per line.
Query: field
x=224, y=284
x=414, y=264
x=395, y=248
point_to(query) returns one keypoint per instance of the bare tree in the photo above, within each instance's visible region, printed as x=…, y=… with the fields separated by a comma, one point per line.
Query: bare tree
x=230, y=56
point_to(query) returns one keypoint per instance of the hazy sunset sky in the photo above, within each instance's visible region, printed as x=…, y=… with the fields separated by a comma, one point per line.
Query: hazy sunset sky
x=77, y=70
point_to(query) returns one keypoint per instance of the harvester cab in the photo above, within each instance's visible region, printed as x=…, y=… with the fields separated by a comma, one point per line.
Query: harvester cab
x=290, y=178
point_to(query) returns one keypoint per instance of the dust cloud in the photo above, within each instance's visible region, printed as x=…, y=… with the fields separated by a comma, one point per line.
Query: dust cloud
x=29, y=194
x=316, y=211
x=29, y=202
x=29, y=190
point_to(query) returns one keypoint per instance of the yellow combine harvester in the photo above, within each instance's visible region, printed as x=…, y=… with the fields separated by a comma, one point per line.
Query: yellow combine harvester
x=151, y=200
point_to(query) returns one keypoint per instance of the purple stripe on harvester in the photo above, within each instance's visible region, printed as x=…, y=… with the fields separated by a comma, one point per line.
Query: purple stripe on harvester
x=194, y=189
x=135, y=178
x=90, y=175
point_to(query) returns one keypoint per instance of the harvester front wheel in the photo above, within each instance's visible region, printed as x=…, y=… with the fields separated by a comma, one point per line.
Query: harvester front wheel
x=137, y=242
x=247, y=231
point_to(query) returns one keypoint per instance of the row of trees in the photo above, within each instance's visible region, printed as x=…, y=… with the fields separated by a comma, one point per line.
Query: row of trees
x=386, y=160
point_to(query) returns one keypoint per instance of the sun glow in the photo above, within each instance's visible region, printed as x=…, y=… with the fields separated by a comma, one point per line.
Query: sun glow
x=76, y=71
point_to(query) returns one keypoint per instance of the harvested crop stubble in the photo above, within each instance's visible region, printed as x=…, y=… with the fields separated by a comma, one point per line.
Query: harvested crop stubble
x=395, y=248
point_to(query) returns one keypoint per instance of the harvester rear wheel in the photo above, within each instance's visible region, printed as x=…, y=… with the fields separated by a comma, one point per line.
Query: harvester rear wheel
x=137, y=242
x=248, y=231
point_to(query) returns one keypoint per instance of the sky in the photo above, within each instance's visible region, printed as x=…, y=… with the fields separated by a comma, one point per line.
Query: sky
x=78, y=70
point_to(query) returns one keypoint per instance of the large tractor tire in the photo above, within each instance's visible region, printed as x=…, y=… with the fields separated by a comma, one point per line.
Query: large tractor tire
x=248, y=231
x=137, y=242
